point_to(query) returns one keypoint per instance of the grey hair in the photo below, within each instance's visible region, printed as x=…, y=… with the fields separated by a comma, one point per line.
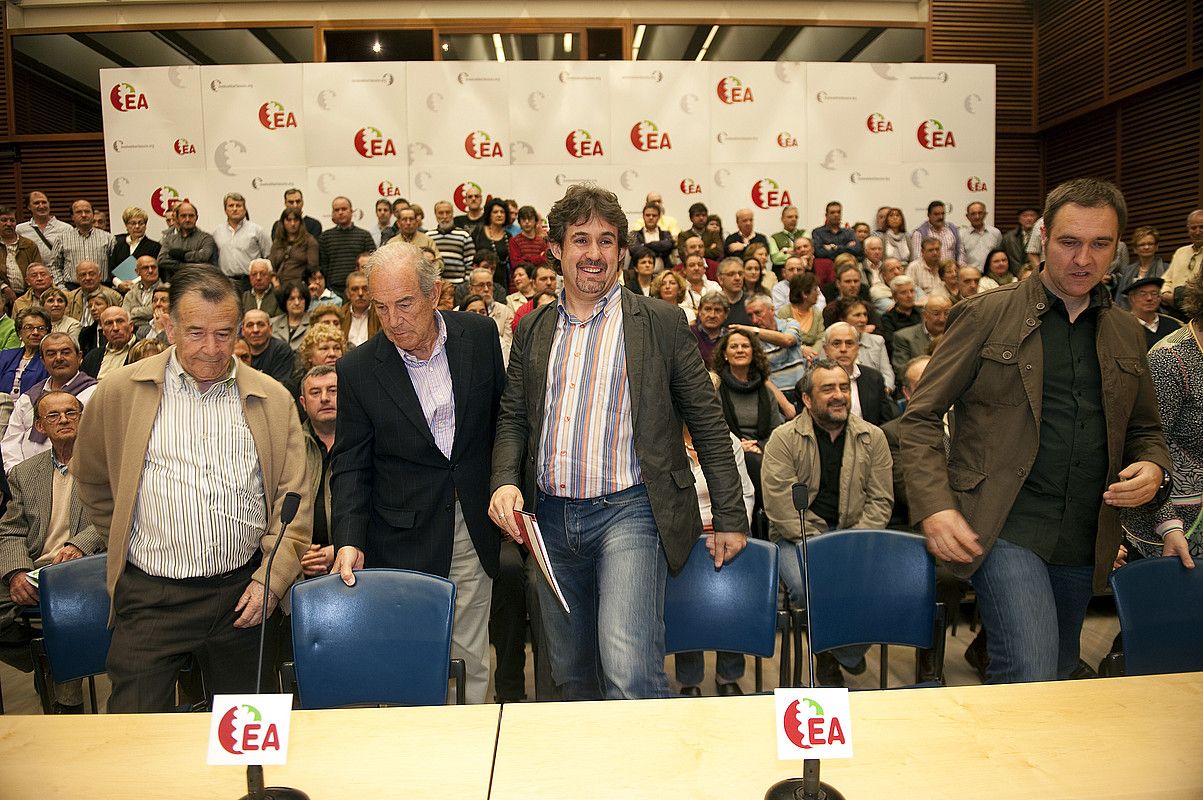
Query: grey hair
x=715, y=298
x=759, y=300
x=807, y=384
x=839, y=327
x=319, y=371
x=396, y=254
x=235, y=196
x=899, y=281
x=254, y=261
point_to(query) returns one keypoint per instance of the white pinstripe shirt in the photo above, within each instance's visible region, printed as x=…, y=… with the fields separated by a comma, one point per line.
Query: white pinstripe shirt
x=432, y=383
x=201, y=509
x=72, y=248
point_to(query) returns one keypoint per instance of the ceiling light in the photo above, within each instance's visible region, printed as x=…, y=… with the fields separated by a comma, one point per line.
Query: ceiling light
x=376, y=48
x=635, y=45
x=446, y=46
x=568, y=43
x=497, y=47
x=706, y=44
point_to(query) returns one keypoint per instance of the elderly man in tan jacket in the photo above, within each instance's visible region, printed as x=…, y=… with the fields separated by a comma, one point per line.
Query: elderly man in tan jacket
x=183, y=462
x=846, y=465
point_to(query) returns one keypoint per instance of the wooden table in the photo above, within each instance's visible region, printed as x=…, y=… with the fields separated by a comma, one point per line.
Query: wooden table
x=444, y=752
x=1118, y=738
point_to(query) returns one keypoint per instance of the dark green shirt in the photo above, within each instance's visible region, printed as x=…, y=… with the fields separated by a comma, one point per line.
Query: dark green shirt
x=1056, y=512
x=831, y=458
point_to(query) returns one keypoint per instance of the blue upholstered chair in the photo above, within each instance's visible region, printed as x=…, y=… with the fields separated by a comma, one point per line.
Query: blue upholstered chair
x=1160, y=605
x=75, y=633
x=384, y=641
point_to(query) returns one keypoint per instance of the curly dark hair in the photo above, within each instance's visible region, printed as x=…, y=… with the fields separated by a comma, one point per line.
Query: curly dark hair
x=760, y=362
x=581, y=203
x=488, y=212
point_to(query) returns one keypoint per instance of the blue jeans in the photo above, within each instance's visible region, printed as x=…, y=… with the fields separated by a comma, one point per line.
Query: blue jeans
x=611, y=568
x=1033, y=612
x=691, y=667
x=789, y=567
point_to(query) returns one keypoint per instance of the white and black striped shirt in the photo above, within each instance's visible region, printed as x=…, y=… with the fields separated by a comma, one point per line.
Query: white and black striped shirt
x=201, y=509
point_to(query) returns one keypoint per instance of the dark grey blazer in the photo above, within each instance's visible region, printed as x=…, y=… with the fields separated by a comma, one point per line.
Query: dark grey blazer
x=668, y=385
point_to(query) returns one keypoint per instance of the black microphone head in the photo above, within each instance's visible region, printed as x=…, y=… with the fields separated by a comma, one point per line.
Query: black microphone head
x=292, y=501
x=801, y=496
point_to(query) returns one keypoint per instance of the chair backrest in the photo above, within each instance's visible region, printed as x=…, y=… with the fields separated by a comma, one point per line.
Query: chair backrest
x=1160, y=605
x=870, y=587
x=75, y=617
x=385, y=640
x=732, y=609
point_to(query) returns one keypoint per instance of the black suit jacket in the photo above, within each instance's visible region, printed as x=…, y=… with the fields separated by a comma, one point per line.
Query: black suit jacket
x=146, y=247
x=393, y=491
x=92, y=361
x=876, y=406
x=668, y=384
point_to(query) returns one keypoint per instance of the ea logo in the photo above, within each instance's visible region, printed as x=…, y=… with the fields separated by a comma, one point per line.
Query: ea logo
x=184, y=147
x=975, y=184
x=125, y=97
x=241, y=731
x=458, y=195
x=581, y=144
x=931, y=134
x=732, y=90
x=814, y=729
x=479, y=144
x=388, y=189
x=645, y=136
x=786, y=139
x=273, y=116
x=690, y=186
x=371, y=143
x=163, y=199
x=877, y=123
x=767, y=193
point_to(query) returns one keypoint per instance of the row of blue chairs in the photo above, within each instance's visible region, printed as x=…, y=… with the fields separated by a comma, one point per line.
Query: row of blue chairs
x=387, y=640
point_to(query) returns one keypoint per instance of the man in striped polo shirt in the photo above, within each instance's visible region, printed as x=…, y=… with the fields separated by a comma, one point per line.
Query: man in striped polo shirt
x=339, y=247
x=590, y=438
x=454, y=244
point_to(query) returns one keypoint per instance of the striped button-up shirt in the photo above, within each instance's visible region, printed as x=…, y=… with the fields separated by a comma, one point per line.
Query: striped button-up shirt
x=201, y=509
x=236, y=247
x=432, y=383
x=587, y=447
x=73, y=247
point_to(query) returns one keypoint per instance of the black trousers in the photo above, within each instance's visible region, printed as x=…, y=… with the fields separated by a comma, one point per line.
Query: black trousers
x=160, y=624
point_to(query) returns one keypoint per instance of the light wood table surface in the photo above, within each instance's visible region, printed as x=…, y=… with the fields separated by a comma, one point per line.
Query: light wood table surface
x=1117, y=738
x=439, y=752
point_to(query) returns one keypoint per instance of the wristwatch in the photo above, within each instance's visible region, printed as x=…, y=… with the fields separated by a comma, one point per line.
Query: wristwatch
x=1163, y=492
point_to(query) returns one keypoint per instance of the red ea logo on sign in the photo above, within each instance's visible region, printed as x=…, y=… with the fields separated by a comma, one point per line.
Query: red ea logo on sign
x=645, y=136
x=732, y=90
x=273, y=116
x=371, y=143
x=241, y=731
x=164, y=199
x=479, y=144
x=767, y=193
x=814, y=729
x=877, y=123
x=184, y=147
x=931, y=134
x=125, y=97
x=581, y=144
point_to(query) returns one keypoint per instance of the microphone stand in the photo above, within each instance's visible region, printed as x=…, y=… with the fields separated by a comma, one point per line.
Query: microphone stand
x=255, y=789
x=808, y=787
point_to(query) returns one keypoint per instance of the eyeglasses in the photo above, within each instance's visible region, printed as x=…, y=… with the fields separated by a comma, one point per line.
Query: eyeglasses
x=55, y=416
x=34, y=329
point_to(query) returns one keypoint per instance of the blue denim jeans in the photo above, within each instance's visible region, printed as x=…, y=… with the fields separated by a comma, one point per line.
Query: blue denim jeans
x=789, y=567
x=611, y=568
x=691, y=667
x=1033, y=613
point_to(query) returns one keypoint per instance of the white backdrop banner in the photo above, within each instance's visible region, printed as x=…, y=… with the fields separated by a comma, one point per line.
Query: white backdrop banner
x=730, y=134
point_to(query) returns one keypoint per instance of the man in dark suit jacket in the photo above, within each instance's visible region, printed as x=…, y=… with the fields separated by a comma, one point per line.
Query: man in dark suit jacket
x=417, y=405
x=841, y=343
x=590, y=438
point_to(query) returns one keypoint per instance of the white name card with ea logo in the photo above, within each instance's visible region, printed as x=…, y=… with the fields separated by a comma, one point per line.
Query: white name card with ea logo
x=250, y=729
x=813, y=723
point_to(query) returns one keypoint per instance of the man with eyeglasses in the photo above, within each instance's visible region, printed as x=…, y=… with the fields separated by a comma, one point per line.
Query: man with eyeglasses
x=1144, y=297
x=62, y=358
x=474, y=219
x=44, y=524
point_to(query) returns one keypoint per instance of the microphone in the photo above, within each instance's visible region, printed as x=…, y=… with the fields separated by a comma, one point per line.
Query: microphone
x=254, y=773
x=808, y=787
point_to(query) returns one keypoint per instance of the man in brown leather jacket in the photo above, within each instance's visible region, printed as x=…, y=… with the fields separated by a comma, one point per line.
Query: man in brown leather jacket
x=1056, y=427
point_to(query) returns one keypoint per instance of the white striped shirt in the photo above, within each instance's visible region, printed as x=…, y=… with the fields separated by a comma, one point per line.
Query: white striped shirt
x=72, y=248
x=587, y=448
x=432, y=383
x=201, y=509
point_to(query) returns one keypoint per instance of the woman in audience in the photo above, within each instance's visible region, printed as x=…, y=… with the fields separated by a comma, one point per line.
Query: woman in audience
x=524, y=287
x=90, y=336
x=54, y=300
x=134, y=243
x=1147, y=264
x=294, y=250
x=643, y=269
x=323, y=344
x=803, y=294
x=494, y=236
x=894, y=236
x=998, y=270
x=873, y=351
x=291, y=326
x=669, y=286
x=145, y=349
x=768, y=279
x=474, y=304
x=713, y=238
x=319, y=293
x=1176, y=365
x=325, y=314
x=754, y=277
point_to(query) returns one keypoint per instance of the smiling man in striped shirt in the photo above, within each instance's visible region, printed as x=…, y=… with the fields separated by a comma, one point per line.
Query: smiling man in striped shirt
x=590, y=438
